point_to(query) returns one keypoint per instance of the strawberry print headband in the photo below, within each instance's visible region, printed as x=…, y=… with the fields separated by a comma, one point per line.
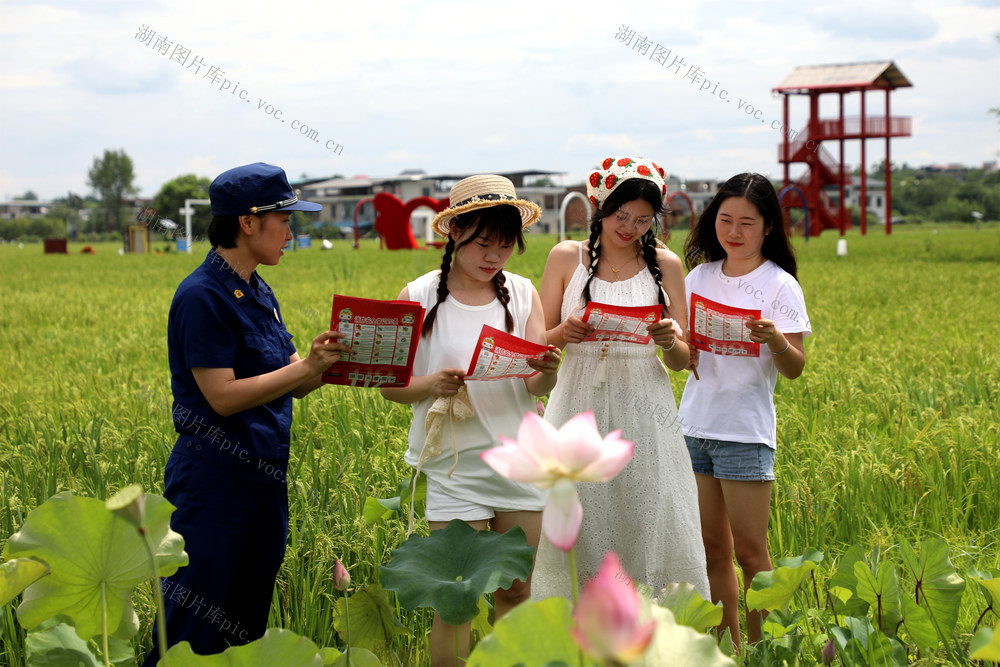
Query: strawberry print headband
x=617, y=170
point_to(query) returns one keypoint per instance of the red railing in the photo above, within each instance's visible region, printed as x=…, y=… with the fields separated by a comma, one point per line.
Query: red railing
x=875, y=126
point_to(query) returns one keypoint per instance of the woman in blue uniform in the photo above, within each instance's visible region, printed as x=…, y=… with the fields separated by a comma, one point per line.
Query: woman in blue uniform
x=234, y=372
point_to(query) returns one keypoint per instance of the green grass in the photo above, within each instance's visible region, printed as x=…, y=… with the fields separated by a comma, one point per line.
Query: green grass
x=892, y=431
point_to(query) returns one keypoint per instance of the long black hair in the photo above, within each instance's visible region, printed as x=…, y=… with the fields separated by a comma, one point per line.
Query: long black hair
x=703, y=245
x=630, y=190
x=498, y=223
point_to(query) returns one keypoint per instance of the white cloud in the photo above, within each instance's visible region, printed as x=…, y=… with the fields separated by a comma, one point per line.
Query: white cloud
x=612, y=144
x=453, y=86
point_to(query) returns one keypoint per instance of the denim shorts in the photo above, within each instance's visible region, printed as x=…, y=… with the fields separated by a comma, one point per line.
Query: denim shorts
x=741, y=461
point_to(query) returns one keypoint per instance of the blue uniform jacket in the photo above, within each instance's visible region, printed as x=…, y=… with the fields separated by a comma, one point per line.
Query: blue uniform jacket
x=217, y=320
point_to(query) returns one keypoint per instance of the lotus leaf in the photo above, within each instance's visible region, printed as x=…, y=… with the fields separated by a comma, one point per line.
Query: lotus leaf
x=451, y=568
x=93, y=556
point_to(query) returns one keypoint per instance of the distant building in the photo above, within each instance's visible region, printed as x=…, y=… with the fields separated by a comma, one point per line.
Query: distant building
x=24, y=208
x=699, y=191
x=874, y=196
x=340, y=196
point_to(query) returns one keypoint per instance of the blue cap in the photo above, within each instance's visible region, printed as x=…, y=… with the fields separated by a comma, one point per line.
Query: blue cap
x=255, y=188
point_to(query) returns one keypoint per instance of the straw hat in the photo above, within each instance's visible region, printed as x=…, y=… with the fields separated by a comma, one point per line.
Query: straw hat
x=483, y=191
x=616, y=170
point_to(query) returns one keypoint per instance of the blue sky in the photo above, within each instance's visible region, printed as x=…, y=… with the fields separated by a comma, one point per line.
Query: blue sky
x=466, y=87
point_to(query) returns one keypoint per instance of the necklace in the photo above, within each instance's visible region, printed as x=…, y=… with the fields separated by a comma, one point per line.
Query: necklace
x=615, y=271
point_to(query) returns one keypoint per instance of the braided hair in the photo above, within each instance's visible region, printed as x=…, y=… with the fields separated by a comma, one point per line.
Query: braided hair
x=497, y=223
x=630, y=190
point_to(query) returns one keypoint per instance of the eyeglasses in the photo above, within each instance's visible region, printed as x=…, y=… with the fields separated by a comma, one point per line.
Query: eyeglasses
x=637, y=223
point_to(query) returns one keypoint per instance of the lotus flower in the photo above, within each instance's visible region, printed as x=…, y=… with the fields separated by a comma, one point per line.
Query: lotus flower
x=551, y=458
x=607, y=617
x=341, y=579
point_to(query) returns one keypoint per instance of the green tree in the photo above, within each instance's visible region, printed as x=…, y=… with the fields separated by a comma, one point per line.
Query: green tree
x=917, y=194
x=111, y=177
x=170, y=199
x=28, y=196
x=543, y=181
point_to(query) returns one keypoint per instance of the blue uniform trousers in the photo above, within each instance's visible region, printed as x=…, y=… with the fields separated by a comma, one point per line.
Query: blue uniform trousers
x=235, y=532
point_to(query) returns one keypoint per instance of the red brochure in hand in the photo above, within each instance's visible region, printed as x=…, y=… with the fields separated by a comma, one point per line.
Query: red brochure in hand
x=721, y=329
x=625, y=324
x=501, y=355
x=383, y=337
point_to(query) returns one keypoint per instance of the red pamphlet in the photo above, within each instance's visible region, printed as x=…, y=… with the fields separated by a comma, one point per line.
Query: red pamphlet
x=501, y=355
x=625, y=324
x=721, y=329
x=383, y=337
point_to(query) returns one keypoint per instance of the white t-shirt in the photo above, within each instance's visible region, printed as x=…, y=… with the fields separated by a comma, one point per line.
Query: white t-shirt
x=734, y=399
x=499, y=405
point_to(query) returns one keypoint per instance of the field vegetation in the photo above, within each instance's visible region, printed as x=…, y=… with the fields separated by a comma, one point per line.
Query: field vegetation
x=891, y=434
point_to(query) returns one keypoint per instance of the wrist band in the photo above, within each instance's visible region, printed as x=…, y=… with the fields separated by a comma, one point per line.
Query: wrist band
x=667, y=349
x=787, y=345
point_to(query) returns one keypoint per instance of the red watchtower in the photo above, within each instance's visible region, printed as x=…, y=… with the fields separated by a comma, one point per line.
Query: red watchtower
x=805, y=146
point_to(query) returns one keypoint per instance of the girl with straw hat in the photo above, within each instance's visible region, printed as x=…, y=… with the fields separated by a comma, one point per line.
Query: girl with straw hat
x=483, y=224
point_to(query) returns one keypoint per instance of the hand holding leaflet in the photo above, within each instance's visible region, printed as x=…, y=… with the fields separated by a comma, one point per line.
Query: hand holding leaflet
x=620, y=323
x=721, y=329
x=501, y=355
x=383, y=337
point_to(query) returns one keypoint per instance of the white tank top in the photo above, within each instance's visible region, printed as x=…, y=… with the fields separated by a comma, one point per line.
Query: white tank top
x=499, y=405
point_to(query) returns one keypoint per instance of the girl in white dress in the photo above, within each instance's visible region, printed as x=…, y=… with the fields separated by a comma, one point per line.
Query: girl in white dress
x=483, y=224
x=648, y=515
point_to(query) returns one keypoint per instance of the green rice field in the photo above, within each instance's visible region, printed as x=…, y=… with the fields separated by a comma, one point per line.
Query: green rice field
x=891, y=433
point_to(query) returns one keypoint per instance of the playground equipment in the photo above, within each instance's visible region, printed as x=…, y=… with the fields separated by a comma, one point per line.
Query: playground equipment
x=357, y=210
x=564, y=206
x=187, y=211
x=805, y=146
x=392, y=219
x=56, y=247
x=784, y=209
x=138, y=239
x=682, y=195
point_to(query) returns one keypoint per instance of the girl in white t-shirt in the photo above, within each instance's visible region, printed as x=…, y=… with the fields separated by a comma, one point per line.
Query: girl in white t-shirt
x=739, y=256
x=483, y=224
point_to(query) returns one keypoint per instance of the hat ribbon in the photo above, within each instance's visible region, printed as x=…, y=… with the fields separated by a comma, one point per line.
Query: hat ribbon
x=269, y=207
x=486, y=197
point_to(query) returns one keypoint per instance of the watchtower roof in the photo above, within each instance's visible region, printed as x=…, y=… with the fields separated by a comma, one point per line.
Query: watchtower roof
x=843, y=77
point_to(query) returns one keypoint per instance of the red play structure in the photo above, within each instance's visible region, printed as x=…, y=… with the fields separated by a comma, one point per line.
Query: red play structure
x=392, y=219
x=682, y=195
x=805, y=146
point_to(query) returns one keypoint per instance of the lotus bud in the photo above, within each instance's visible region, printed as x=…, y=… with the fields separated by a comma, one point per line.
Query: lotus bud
x=829, y=652
x=341, y=579
x=129, y=504
x=608, y=624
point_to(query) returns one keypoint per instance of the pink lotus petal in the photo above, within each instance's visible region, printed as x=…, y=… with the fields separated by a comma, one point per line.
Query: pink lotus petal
x=515, y=463
x=607, y=616
x=541, y=439
x=563, y=515
x=579, y=443
x=615, y=455
x=638, y=642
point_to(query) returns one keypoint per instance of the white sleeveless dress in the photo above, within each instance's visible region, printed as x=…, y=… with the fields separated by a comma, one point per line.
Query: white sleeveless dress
x=648, y=515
